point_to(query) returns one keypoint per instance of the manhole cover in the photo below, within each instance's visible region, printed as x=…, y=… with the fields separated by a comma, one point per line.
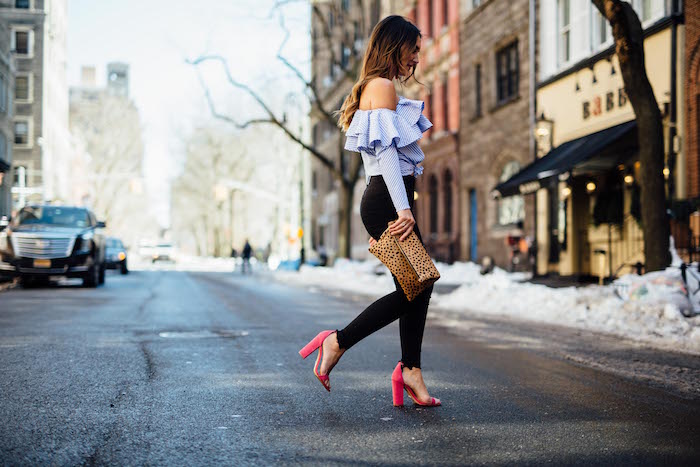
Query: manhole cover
x=201, y=334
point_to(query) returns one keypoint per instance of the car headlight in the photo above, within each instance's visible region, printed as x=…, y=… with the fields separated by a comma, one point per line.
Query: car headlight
x=83, y=242
x=121, y=256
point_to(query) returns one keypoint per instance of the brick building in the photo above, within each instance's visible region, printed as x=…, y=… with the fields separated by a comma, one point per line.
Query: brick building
x=692, y=93
x=437, y=189
x=339, y=32
x=586, y=182
x=495, y=125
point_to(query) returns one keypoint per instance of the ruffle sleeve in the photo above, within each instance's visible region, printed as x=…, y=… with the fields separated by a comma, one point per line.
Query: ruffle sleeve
x=385, y=127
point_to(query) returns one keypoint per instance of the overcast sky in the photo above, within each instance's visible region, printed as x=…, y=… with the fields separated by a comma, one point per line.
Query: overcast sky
x=156, y=36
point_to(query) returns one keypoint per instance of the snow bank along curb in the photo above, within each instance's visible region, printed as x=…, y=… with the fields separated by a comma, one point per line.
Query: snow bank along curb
x=646, y=308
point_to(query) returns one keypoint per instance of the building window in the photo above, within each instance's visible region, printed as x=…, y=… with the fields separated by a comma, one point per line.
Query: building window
x=22, y=4
x=345, y=58
x=602, y=32
x=445, y=101
x=376, y=11
x=433, y=194
x=20, y=174
x=564, y=33
x=23, y=90
x=476, y=3
x=331, y=20
x=507, y=72
x=447, y=187
x=3, y=94
x=477, y=90
x=345, y=5
x=3, y=146
x=649, y=10
x=511, y=210
x=22, y=133
x=429, y=107
x=445, y=12
x=22, y=41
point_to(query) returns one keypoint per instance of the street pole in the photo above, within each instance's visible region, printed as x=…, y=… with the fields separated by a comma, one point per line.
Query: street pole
x=301, y=200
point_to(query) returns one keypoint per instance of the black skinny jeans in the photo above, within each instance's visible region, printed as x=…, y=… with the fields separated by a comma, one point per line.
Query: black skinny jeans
x=377, y=210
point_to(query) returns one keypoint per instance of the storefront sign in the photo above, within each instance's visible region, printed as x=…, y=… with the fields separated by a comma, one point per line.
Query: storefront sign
x=599, y=104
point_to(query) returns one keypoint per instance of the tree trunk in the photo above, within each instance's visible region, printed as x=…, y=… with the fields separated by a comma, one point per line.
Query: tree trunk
x=629, y=46
x=345, y=203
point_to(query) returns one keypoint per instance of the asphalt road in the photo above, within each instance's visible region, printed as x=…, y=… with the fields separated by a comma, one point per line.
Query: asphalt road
x=185, y=368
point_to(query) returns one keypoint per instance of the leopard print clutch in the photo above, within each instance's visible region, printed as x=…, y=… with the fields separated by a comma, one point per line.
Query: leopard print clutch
x=407, y=260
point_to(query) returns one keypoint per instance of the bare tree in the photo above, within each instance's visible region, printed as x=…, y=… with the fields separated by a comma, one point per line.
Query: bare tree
x=110, y=128
x=629, y=46
x=345, y=168
x=213, y=157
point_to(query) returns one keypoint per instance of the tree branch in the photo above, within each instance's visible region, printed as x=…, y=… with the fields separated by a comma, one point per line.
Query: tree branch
x=308, y=84
x=272, y=118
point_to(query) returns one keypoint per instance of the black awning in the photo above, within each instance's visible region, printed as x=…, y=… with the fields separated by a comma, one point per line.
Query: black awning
x=4, y=166
x=561, y=159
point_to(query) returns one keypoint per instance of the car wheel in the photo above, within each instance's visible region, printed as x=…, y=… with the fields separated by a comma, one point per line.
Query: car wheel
x=92, y=277
x=123, y=269
x=27, y=282
x=101, y=276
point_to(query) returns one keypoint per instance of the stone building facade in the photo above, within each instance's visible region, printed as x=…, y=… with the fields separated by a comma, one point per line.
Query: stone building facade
x=437, y=189
x=495, y=131
x=7, y=86
x=339, y=32
x=691, y=87
x=40, y=123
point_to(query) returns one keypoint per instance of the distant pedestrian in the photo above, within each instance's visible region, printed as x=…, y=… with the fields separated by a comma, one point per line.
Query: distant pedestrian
x=385, y=130
x=247, y=250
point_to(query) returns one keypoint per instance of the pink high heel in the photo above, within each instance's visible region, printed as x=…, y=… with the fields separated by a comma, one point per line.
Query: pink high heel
x=398, y=385
x=308, y=349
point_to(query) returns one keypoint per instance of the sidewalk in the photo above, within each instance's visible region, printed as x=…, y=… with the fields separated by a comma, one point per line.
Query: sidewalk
x=645, y=308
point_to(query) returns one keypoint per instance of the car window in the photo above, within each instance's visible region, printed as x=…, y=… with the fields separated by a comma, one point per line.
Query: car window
x=113, y=243
x=54, y=215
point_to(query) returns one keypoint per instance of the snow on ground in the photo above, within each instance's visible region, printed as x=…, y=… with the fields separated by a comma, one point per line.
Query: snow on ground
x=189, y=263
x=646, y=308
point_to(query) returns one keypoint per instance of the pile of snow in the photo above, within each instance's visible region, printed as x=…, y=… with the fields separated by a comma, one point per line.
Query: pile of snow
x=647, y=308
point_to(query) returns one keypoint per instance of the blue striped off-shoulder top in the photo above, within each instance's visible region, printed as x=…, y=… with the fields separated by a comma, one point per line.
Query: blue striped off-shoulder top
x=388, y=142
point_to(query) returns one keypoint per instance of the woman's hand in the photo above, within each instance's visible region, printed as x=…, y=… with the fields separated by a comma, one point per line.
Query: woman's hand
x=403, y=225
x=372, y=241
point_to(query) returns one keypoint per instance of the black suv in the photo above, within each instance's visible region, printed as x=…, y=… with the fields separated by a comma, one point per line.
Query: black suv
x=46, y=241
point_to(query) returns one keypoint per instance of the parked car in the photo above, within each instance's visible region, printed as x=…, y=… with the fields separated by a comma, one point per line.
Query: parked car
x=44, y=241
x=115, y=255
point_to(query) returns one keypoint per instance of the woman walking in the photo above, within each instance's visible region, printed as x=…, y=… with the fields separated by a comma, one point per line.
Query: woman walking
x=385, y=129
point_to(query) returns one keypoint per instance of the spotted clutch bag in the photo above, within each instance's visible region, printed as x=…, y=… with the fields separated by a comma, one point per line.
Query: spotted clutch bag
x=407, y=260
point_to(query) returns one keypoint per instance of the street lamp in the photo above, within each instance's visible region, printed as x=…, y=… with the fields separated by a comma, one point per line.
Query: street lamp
x=543, y=135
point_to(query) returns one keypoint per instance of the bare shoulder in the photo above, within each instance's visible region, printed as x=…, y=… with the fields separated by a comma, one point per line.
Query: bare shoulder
x=379, y=93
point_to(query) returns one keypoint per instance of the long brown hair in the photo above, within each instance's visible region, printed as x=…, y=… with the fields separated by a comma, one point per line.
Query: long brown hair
x=387, y=44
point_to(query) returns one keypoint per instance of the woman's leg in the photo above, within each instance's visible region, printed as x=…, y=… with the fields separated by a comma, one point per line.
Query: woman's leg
x=412, y=324
x=377, y=210
x=383, y=311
